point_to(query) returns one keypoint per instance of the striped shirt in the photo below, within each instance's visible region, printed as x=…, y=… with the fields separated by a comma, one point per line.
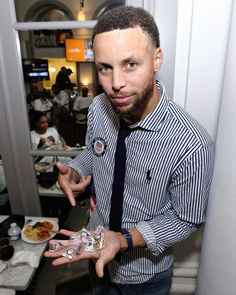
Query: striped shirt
x=167, y=182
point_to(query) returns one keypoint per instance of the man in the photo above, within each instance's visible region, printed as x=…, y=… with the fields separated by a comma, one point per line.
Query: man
x=69, y=84
x=62, y=78
x=82, y=103
x=80, y=111
x=168, y=167
x=61, y=104
x=61, y=98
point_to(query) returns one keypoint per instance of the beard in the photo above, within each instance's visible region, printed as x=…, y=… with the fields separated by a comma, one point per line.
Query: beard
x=133, y=112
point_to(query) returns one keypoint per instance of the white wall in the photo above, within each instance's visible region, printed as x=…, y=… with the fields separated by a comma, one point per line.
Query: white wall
x=165, y=15
x=217, y=274
x=200, y=58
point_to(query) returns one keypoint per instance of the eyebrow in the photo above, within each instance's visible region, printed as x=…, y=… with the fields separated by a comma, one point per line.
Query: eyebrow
x=104, y=64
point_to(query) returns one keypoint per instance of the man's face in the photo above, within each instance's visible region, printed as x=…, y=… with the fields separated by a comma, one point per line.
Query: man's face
x=126, y=62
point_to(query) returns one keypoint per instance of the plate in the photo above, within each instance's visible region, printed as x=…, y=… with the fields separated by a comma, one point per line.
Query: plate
x=42, y=166
x=27, y=240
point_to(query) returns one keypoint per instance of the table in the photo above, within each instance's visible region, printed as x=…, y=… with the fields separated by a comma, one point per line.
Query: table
x=4, y=291
x=19, y=277
x=53, y=191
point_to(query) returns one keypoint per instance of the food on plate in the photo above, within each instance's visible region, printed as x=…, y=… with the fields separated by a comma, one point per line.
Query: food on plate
x=46, y=224
x=43, y=166
x=67, y=148
x=38, y=231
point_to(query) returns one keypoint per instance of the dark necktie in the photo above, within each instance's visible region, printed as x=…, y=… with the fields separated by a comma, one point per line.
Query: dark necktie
x=119, y=178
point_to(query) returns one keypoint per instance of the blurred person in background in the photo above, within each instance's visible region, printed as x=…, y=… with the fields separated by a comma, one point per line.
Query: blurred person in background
x=61, y=106
x=43, y=136
x=61, y=78
x=43, y=104
x=80, y=112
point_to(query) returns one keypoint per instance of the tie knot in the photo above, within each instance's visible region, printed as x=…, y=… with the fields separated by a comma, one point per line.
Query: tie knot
x=123, y=124
x=125, y=130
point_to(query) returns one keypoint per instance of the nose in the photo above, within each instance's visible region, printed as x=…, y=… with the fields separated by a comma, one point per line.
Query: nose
x=118, y=80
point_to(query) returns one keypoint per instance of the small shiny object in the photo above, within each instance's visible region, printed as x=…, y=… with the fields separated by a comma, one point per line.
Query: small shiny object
x=55, y=247
x=100, y=242
x=85, y=231
x=89, y=248
x=90, y=241
x=85, y=241
x=79, y=249
x=76, y=237
x=69, y=253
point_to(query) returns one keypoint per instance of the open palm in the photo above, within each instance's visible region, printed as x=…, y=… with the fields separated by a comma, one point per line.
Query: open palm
x=112, y=247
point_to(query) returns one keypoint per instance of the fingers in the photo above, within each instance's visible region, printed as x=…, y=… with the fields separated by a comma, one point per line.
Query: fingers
x=81, y=186
x=67, y=233
x=68, y=191
x=76, y=189
x=63, y=260
x=83, y=256
x=65, y=182
x=100, y=268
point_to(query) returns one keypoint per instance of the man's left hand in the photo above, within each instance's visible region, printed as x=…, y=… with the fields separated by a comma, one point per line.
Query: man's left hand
x=112, y=247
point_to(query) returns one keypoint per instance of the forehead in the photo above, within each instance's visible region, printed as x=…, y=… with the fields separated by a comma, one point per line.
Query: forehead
x=43, y=119
x=120, y=42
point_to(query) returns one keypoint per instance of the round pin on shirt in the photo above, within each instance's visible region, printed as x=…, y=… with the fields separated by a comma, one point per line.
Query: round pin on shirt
x=99, y=146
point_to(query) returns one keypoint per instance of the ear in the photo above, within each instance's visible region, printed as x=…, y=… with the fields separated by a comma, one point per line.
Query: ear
x=157, y=59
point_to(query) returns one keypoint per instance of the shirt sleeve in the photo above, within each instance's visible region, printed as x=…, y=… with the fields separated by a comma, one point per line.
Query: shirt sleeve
x=188, y=191
x=34, y=140
x=76, y=106
x=49, y=104
x=56, y=135
x=56, y=100
x=37, y=105
x=64, y=98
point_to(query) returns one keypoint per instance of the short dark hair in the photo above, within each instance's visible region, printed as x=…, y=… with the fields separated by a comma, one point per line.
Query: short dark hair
x=125, y=17
x=38, y=115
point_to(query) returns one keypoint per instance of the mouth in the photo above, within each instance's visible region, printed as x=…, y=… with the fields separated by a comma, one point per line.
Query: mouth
x=122, y=100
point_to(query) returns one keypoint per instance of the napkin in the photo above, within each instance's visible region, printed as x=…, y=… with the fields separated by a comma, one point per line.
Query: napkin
x=3, y=265
x=27, y=257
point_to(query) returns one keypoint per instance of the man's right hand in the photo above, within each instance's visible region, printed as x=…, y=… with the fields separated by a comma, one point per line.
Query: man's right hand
x=67, y=182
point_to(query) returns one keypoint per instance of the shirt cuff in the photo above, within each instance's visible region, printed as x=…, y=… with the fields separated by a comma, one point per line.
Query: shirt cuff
x=146, y=232
x=75, y=167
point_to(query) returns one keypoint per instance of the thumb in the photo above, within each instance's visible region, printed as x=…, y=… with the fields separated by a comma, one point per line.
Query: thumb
x=63, y=169
x=100, y=267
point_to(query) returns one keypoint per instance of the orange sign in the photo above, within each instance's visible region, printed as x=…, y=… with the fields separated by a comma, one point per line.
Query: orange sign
x=75, y=49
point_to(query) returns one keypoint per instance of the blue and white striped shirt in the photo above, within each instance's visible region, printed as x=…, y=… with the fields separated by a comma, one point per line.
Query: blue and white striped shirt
x=168, y=175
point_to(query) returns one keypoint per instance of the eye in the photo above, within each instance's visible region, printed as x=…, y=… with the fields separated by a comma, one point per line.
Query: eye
x=104, y=69
x=131, y=65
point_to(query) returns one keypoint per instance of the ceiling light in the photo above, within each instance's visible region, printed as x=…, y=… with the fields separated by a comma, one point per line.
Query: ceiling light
x=81, y=15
